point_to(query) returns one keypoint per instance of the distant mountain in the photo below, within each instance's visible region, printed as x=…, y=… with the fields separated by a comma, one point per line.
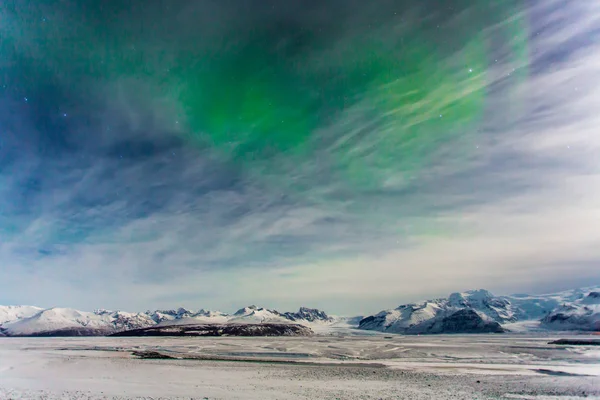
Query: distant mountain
x=480, y=311
x=10, y=314
x=465, y=320
x=183, y=316
x=309, y=314
x=262, y=315
x=169, y=315
x=474, y=311
x=14, y=313
x=34, y=321
x=69, y=322
x=536, y=307
x=257, y=315
x=582, y=315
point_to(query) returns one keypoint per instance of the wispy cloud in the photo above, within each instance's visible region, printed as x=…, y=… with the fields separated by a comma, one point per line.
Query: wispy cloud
x=128, y=213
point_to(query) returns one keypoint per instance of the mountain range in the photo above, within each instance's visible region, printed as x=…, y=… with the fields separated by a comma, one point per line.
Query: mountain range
x=474, y=311
x=35, y=321
x=479, y=311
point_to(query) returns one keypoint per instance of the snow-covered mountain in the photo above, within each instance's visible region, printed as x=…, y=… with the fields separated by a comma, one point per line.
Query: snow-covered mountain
x=309, y=314
x=304, y=316
x=536, y=307
x=481, y=311
x=69, y=322
x=582, y=314
x=486, y=312
x=474, y=311
x=14, y=313
x=182, y=316
x=257, y=315
x=34, y=321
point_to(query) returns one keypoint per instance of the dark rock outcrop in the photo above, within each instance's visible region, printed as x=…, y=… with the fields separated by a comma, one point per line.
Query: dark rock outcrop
x=308, y=314
x=462, y=321
x=266, y=329
x=576, y=317
x=577, y=342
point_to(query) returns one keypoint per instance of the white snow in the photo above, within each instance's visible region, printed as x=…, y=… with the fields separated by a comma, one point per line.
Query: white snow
x=579, y=309
x=518, y=313
x=66, y=318
x=257, y=315
x=538, y=306
x=14, y=313
x=25, y=320
x=51, y=319
x=216, y=319
x=57, y=368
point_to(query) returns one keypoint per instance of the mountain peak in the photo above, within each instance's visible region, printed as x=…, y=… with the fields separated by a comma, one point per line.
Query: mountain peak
x=307, y=314
x=249, y=310
x=592, y=298
x=464, y=298
x=480, y=293
x=14, y=313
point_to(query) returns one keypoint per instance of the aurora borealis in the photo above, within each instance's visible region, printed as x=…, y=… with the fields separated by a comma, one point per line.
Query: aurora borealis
x=289, y=152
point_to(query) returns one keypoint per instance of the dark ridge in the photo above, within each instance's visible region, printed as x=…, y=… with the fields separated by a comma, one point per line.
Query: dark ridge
x=556, y=373
x=152, y=355
x=221, y=330
x=468, y=321
x=577, y=342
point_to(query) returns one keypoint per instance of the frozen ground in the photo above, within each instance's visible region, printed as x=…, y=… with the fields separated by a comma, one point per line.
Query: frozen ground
x=320, y=367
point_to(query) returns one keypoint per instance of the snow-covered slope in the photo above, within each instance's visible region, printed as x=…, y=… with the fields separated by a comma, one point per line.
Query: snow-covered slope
x=536, y=307
x=169, y=315
x=443, y=315
x=498, y=309
x=309, y=315
x=465, y=320
x=14, y=313
x=582, y=314
x=257, y=315
x=573, y=309
x=304, y=316
x=187, y=317
x=73, y=322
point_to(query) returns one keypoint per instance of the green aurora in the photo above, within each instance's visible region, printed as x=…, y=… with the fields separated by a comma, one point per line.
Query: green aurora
x=369, y=111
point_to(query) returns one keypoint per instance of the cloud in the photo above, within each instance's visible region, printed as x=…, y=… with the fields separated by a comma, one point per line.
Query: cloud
x=118, y=207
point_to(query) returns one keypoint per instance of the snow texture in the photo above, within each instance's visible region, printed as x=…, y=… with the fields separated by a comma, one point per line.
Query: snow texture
x=354, y=367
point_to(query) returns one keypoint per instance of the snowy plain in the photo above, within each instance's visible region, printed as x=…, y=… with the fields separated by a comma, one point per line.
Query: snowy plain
x=319, y=367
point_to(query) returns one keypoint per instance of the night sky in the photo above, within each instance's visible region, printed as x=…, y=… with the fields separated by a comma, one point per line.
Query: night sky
x=342, y=154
